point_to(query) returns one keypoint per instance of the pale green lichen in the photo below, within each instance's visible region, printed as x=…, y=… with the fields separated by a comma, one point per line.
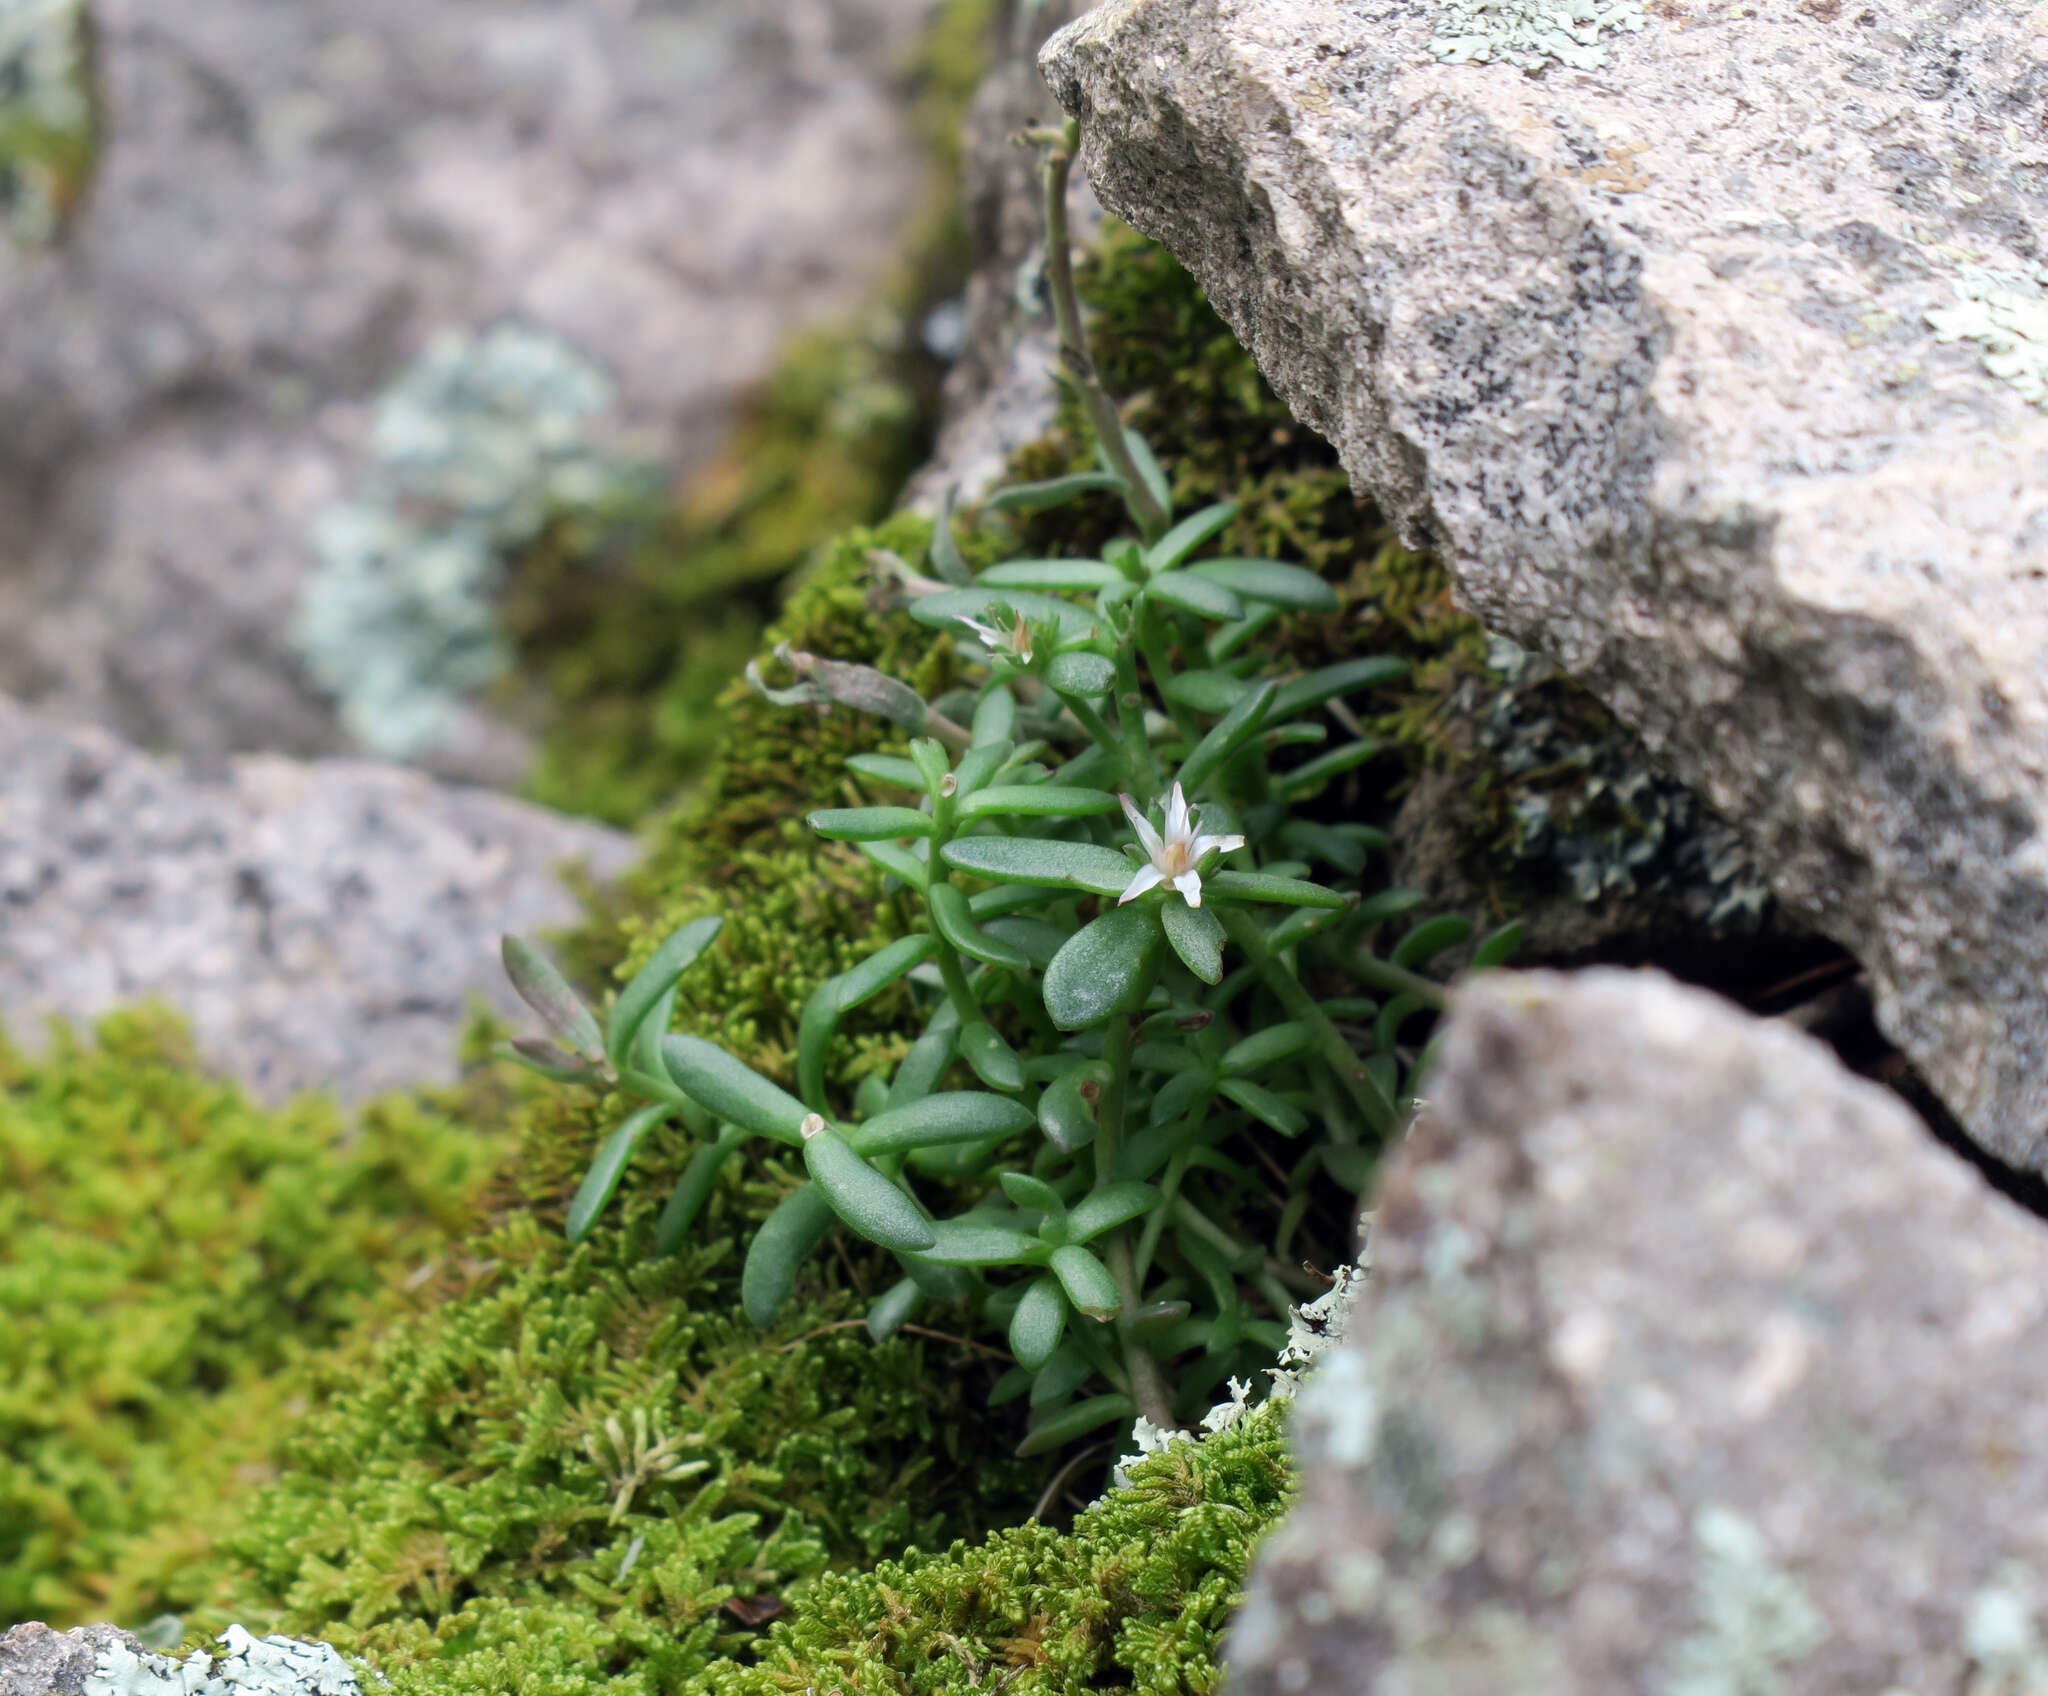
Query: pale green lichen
x=2006, y=314
x=247, y=1666
x=48, y=122
x=1530, y=34
x=1755, y=1619
x=476, y=447
x=2007, y=1654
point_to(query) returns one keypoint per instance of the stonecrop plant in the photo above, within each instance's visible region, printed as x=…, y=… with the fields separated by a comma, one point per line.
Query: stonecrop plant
x=1138, y=964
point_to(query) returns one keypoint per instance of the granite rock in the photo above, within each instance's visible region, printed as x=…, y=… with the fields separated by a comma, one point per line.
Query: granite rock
x=1687, y=1362
x=291, y=202
x=324, y=924
x=1707, y=350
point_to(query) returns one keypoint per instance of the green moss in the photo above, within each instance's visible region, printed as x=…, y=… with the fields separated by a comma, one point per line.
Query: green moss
x=452, y=1510
x=167, y=1253
x=1135, y=1597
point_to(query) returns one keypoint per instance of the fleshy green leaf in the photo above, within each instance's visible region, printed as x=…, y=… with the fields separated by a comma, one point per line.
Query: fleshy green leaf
x=1430, y=938
x=1076, y=1421
x=1038, y=800
x=1210, y=692
x=1033, y=1195
x=956, y=1116
x=1197, y=937
x=1498, y=948
x=1058, y=865
x=1149, y=473
x=1261, y=886
x=955, y=922
x=782, y=1240
x=1264, y=1048
x=1104, y=968
x=869, y=1204
x=887, y=768
x=1227, y=735
x=1305, y=780
x=989, y=1057
x=654, y=980
x=1034, y=938
x=1189, y=534
x=892, y=1307
x=1185, y=592
x=1262, y=1103
x=557, y=1065
x=1086, y=1280
x=870, y=824
x=1388, y=904
x=995, y=717
x=1039, y=1323
x=693, y=1189
x=608, y=1168
x=1085, y=675
x=1066, y=1107
x=964, y=1244
x=1050, y=492
x=1270, y=581
x=1334, y=680
x=547, y=992
x=730, y=1090
x=898, y=861
x=838, y=996
x=1111, y=1206
x=1050, y=575
x=923, y=1066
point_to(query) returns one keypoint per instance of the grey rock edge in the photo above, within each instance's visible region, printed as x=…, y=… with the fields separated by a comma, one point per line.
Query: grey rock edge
x=323, y=924
x=98, y=1660
x=292, y=201
x=999, y=394
x=1644, y=351
x=1687, y=1362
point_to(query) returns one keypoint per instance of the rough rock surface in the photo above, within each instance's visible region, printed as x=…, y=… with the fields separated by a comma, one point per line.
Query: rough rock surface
x=293, y=199
x=999, y=394
x=1710, y=370
x=323, y=925
x=38, y=1661
x=99, y=1660
x=1687, y=1363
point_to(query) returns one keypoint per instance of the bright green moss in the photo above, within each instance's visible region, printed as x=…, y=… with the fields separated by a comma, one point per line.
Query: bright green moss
x=450, y=1511
x=1135, y=1597
x=167, y=1253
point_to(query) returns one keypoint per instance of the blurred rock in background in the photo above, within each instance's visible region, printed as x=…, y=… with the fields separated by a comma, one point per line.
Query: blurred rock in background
x=235, y=229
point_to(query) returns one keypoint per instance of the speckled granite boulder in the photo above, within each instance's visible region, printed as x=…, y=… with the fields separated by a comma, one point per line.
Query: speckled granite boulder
x=98, y=1660
x=324, y=925
x=1709, y=358
x=293, y=200
x=1687, y=1363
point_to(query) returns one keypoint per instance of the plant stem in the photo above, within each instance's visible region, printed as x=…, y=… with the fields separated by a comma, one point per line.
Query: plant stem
x=1152, y=638
x=1336, y=1053
x=1106, y=739
x=1138, y=758
x=1148, y=1386
x=1066, y=312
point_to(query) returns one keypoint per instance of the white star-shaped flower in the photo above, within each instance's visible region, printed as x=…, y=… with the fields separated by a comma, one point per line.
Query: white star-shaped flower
x=1014, y=642
x=1176, y=854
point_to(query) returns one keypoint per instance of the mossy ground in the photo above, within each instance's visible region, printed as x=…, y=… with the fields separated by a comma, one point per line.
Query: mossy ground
x=450, y=1504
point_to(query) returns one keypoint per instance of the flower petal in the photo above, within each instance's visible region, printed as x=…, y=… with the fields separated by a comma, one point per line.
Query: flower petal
x=1148, y=838
x=1149, y=877
x=1178, y=825
x=1212, y=845
x=1190, y=885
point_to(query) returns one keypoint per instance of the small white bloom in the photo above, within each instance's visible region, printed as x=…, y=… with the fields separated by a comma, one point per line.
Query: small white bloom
x=1014, y=642
x=1176, y=854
